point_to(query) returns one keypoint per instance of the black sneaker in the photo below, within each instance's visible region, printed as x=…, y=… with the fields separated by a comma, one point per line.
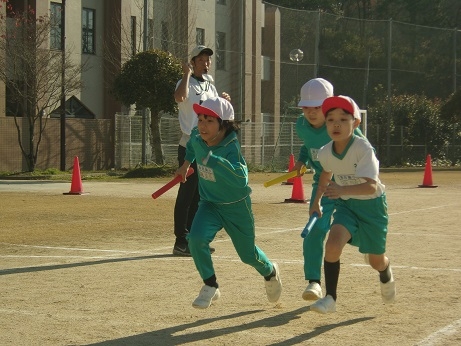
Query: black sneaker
x=183, y=250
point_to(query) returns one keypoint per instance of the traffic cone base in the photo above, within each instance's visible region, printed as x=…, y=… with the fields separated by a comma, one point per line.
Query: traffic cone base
x=297, y=194
x=427, y=180
x=76, y=187
x=291, y=200
x=291, y=165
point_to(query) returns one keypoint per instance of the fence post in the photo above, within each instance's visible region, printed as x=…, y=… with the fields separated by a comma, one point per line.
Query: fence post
x=401, y=140
x=263, y=143
x=129, y=141
x=389, y=93
x=454, y=58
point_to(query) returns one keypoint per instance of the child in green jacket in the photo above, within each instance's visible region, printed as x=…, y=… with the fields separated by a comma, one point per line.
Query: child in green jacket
x=224, y=200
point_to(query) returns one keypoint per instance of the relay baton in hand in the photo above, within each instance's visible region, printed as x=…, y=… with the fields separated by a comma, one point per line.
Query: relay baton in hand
x=171, y=183
x=284, y=177
x=310, y=224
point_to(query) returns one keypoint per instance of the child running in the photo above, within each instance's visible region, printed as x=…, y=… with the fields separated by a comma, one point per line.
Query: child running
x=311, y=129
x=224, y=200
x=361, y=216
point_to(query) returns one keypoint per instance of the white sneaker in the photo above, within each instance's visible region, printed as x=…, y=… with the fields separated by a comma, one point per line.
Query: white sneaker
x=274, y=286
x=324, y=306
x=206, y=295
x=313, y=291
x=388, y=290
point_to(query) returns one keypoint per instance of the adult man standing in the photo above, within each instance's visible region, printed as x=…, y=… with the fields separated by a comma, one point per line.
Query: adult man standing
x=193, y=87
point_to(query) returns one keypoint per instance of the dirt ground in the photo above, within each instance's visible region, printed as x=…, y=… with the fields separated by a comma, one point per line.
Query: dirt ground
x=97, y=269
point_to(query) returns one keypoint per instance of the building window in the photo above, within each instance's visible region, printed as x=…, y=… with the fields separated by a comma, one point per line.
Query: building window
x=165, y=35
x=221, y=2
x=200, y=36
x=133, y=35
x=88, y=28
x=220, y=50
x=55, y=23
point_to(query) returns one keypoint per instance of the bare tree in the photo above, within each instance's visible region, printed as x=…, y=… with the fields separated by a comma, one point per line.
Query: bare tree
x=31, y=72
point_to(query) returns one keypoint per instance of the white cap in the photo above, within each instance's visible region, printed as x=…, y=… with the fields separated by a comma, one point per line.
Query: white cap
x=200, y=49
x=216, y=107
x=314, y=92
x=343, y=102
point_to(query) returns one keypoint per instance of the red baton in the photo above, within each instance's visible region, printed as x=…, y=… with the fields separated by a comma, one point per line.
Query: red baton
x=171, y=183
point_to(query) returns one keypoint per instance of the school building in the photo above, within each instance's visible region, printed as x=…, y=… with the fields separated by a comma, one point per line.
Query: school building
x=243, y=35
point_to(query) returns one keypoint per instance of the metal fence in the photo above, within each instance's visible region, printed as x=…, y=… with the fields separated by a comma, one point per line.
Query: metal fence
x=265, y=146
x=358, y=56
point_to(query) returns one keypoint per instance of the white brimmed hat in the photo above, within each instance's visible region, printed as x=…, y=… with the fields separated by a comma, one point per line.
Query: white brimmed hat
x=216, y=107
x=343, y=102
x=314, y=92
x=200, y=49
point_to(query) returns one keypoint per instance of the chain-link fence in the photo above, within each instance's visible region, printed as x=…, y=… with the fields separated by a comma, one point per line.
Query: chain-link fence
x=265, y=146
x=357, y=56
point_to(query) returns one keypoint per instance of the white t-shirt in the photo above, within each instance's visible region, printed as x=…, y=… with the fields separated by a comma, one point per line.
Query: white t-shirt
x=358, y=161
x=198, y=91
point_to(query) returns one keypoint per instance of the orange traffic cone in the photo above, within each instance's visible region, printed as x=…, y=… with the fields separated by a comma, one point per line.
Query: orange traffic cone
x=76, y=187
x=297, y=194
x=291, y=164
x=427, y=180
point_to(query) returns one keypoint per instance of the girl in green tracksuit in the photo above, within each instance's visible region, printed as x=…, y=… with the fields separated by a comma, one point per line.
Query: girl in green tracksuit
x=224, y=199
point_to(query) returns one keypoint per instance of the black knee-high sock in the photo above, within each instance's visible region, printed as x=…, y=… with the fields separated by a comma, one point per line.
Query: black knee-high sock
x=331, y=270
x=211, y=281
x=385, y=275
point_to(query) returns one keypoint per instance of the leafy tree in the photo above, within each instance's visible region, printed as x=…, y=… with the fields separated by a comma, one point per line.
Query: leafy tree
x=309, y=5
x=32, y=74
x=437, y=13
x=421, y=119
x=451, y=110
x=149, y=79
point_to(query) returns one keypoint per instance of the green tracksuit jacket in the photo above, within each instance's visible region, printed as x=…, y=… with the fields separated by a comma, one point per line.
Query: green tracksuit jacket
x=224, y=203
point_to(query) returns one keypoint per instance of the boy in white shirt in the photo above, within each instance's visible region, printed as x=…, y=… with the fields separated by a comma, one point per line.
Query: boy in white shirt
x=360, y=216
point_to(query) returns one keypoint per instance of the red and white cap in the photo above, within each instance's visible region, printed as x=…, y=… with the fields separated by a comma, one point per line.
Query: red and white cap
x=215, y=107
x=343, y=102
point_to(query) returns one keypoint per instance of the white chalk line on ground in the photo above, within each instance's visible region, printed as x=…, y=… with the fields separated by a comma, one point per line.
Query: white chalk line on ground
x=415, y=268
x=438, y=336
x=423, y=209
x=74, y=249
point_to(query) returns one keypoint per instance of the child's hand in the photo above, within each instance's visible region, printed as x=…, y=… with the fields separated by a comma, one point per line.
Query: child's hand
x=315, y=207
x=297, y=167
x=182, y=171
x=333, y=190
